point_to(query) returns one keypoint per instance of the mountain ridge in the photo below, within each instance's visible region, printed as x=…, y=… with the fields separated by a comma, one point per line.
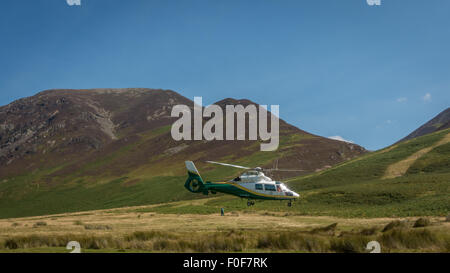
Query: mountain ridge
x=440, y=122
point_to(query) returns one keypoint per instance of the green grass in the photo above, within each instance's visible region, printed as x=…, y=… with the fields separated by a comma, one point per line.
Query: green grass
x=368, y=167
x=436, y=161
x=41, y=192
x=356, y=188
x=350, y=189
x=84, y=197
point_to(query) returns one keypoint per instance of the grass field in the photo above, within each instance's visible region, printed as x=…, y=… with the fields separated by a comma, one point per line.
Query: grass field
x=356, y=188
x=138, y=229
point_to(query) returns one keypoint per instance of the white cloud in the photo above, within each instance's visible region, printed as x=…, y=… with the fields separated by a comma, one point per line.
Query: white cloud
x=340, y=139
x=73, y=2
x=427, y=97
x=402, y=99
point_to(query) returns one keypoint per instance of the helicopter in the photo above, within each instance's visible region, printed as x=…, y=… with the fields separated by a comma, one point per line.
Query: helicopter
x=251, y=184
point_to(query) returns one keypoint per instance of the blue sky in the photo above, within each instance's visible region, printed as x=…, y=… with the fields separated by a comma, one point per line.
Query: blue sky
x=370, y=74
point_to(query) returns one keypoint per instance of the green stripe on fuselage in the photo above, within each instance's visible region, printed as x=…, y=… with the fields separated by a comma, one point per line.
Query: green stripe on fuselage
x=241, y=191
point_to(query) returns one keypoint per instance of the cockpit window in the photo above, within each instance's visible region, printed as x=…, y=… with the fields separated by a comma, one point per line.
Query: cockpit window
x=288, y=193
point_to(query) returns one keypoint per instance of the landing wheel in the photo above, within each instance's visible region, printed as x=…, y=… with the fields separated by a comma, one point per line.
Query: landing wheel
x=289, y=204
x=250, y=203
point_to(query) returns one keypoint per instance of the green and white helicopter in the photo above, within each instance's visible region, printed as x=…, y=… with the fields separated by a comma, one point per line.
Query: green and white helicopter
x=252, y=184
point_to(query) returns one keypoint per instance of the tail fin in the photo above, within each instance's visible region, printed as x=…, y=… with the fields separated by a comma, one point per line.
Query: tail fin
x=194, y=183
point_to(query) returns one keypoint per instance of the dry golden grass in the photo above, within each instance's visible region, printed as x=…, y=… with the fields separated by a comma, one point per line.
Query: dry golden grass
x=125, y=228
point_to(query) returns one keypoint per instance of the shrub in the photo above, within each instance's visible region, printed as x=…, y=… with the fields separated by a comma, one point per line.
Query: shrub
x=394, y=224
x=39, y=224
x=328, y=229
x=350, y=244
x=11, y=244
x=422, y=222
x=368, y=231
x=409, y=239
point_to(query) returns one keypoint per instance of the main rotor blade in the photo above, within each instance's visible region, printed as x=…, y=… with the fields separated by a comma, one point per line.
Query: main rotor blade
x=229, y=165
x=283, y=170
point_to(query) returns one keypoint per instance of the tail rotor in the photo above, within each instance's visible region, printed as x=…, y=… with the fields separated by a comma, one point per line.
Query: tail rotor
x=194, y=182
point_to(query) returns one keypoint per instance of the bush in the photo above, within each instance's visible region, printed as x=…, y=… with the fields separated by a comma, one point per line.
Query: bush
x=11, y=244
x=422, y=222
x=39, y=224
x=409, y=239
x=394, y=224
x=350, y=244
x=328, y=229
x=368, y=231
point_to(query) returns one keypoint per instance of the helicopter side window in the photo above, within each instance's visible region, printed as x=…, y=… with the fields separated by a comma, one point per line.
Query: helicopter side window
x=237, y=179
x=269, y=187
x=258, y=187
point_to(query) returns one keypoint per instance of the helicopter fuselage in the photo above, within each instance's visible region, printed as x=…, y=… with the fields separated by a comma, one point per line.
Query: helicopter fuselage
x=250, y=190
x=251, y=185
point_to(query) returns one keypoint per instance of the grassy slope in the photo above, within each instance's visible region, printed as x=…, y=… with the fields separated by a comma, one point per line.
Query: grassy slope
x=351, y=189
x=356, y=188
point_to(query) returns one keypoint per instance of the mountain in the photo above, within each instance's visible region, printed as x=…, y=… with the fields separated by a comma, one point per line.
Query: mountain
x=59, y=126
x=72, y=150
x=439, y=122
